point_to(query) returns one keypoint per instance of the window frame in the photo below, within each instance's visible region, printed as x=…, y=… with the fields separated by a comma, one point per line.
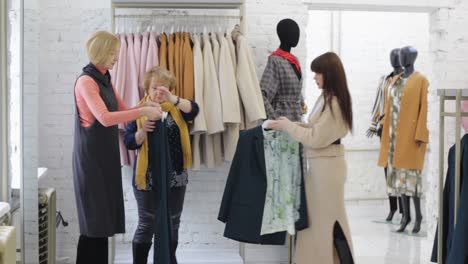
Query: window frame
x=4, y=164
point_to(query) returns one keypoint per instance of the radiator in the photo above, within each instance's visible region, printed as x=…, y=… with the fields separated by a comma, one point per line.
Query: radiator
x=47, y=211
x=7, y=245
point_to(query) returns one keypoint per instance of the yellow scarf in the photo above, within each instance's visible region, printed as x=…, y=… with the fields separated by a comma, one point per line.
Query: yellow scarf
x=142, y=160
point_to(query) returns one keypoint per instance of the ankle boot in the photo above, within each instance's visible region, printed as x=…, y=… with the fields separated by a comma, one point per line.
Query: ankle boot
x=406, y=219
x=405, y=203
x=417, y=209
x=393, y=207
x=140, y=252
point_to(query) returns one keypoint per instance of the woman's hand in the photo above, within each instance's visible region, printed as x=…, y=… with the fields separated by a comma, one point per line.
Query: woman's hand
x=151, y=112
x=148, y=126
x=279, y=124
x=167, y=95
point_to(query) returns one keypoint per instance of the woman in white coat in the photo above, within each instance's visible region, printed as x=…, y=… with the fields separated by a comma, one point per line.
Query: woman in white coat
x=327, y=240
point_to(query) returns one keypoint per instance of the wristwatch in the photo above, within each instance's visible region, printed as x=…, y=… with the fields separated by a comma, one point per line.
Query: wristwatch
x=178, y=101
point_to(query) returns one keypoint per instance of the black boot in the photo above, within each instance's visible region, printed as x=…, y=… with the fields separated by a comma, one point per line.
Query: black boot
x=405, y=203
x=140, y=252
x=406, y=219
x=393, y=207
x=417, y=210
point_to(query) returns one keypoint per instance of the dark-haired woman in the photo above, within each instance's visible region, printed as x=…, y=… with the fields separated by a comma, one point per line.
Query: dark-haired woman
x=328, y=239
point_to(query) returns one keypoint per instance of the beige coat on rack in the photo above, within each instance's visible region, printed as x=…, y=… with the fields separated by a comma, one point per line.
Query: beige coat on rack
x=247, y=81
x=232, y=50
x=212, y=101
x=199, y=124
x=217, y=140
x=229, y=98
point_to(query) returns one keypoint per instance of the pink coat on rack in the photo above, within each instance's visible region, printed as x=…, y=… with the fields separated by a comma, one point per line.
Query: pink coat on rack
x=119, y=76
x=137, y=50
x=153, y=56
x=143, y=57
x=131, y=90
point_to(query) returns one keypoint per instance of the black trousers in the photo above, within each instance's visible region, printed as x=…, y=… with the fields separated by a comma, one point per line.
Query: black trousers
x=146, y=213
x=92, y=250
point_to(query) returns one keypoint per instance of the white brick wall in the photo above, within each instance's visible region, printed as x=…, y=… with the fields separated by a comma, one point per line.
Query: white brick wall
x=61, y=45
x=30, y=130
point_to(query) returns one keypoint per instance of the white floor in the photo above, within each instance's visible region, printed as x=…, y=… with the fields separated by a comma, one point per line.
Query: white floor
x=374, y=241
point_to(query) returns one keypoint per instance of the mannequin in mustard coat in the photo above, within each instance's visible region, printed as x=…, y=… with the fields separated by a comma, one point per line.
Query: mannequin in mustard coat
x=404, y=150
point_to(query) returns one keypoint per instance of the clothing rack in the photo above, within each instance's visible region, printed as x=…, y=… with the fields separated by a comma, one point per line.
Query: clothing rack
x=174, y=5
x=445, y=95
x=179, y=4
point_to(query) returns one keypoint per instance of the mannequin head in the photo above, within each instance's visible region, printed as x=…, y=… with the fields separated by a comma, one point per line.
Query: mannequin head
x=288, y=33
x=408, y=55
x=395, y=60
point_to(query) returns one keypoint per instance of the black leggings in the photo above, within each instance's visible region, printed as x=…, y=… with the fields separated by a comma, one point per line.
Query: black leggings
x=92, y=250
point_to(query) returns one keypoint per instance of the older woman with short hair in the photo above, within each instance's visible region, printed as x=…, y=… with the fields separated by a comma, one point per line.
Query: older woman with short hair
x=96, y=157
x=158, y=84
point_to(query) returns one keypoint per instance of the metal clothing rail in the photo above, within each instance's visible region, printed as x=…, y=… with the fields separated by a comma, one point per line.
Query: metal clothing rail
x=177, y=16
x=152, y=4
x=445, y=95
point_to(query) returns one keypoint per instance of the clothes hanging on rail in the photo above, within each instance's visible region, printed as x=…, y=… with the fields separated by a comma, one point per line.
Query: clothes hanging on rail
x=247, y=81
x=454, y=238
x=163, y=51
x=119, y=75
x=243, y=202
x=229, y=98
x=152, y=58
x=188, y=69
x=143, y=58
x=283, y=174
x=216, y=70
x=199, y=124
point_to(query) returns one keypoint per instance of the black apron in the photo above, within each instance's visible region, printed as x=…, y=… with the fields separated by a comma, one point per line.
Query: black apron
x=96, y=168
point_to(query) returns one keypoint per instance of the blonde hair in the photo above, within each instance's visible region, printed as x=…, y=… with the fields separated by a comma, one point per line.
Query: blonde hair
x=100, y=46
x=161, y=75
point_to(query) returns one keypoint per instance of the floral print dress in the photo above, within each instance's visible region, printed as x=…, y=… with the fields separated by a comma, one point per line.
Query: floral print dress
x=283, y=172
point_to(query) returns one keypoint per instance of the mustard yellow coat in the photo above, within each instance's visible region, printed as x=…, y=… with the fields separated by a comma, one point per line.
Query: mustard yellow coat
x=411, y=128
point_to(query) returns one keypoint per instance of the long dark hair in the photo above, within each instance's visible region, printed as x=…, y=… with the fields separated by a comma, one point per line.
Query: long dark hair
x=334, y=84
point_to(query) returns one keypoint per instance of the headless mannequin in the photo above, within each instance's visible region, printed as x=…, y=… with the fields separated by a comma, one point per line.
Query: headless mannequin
x=288, y=33
x=395, y=61
x=397, y=69
x=408, y=56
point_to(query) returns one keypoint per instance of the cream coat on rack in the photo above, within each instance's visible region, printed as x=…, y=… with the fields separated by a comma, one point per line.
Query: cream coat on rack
x=199, y=124
x=247, y=81
x=229, y=98
x=217, y=141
